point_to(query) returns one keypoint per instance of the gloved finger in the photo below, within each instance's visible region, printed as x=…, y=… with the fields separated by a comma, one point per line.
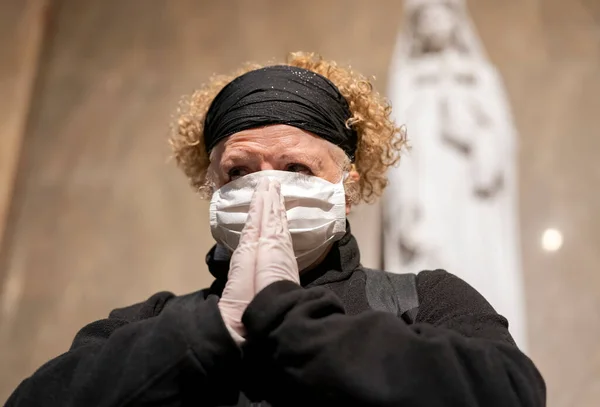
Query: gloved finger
x=270, y=219
x=232, y=312
x=279, y=230
x=251, y=231
x=282, y=213
x=243, y=259
x=276, y=260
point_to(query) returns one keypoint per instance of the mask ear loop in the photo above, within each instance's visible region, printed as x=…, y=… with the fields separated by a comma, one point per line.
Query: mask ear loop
x=342, y=183
x=345, y=176
x=346, y=172
x=350, y=189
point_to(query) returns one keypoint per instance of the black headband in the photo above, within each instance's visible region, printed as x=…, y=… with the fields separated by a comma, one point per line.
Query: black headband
x=281, y=94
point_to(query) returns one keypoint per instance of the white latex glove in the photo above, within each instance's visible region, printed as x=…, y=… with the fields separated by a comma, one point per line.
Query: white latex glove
x=264, y=255
x=275, y=259
x=240, y=290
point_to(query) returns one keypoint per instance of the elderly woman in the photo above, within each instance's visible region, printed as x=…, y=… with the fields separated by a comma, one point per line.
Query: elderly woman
x=292, y=317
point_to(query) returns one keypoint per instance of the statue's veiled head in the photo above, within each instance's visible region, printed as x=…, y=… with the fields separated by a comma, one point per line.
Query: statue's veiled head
x=435, y=25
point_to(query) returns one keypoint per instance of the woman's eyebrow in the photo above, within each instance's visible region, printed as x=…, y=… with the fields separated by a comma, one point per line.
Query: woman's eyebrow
x=304, y=158
x=239, y=155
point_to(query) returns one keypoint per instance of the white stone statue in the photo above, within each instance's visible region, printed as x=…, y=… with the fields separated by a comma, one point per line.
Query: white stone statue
x=452, y=201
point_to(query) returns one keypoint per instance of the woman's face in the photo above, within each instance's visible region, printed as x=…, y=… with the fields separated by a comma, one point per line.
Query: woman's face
x=277, y=147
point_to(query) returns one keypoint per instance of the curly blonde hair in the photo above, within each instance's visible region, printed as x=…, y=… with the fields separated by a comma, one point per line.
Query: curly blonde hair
x=380, y=141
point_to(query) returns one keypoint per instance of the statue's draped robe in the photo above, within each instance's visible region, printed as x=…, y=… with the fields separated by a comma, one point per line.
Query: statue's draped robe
x=452, y=201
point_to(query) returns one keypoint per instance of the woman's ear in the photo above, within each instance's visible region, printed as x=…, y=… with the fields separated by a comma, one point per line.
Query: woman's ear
x=351, y=186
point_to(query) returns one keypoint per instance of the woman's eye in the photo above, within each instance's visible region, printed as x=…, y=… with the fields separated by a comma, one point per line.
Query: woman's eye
x=303, y=169
x=236, y=172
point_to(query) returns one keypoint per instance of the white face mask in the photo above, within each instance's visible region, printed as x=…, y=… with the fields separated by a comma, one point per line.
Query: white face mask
x=315, y=209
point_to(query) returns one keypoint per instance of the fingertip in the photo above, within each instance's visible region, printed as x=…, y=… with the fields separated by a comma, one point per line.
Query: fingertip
x=275, y=192
x=276, y=185
x=251, y=229
x=263, y=184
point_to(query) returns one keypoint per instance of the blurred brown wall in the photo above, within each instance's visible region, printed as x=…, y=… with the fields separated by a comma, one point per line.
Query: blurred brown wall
x=99, y=219
x=21, y=38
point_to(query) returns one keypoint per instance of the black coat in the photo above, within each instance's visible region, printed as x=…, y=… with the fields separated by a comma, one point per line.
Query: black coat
x=319, y=344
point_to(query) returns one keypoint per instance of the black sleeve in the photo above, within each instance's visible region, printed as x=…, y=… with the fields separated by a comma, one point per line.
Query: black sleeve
x=183, y=354
x=311, y=353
